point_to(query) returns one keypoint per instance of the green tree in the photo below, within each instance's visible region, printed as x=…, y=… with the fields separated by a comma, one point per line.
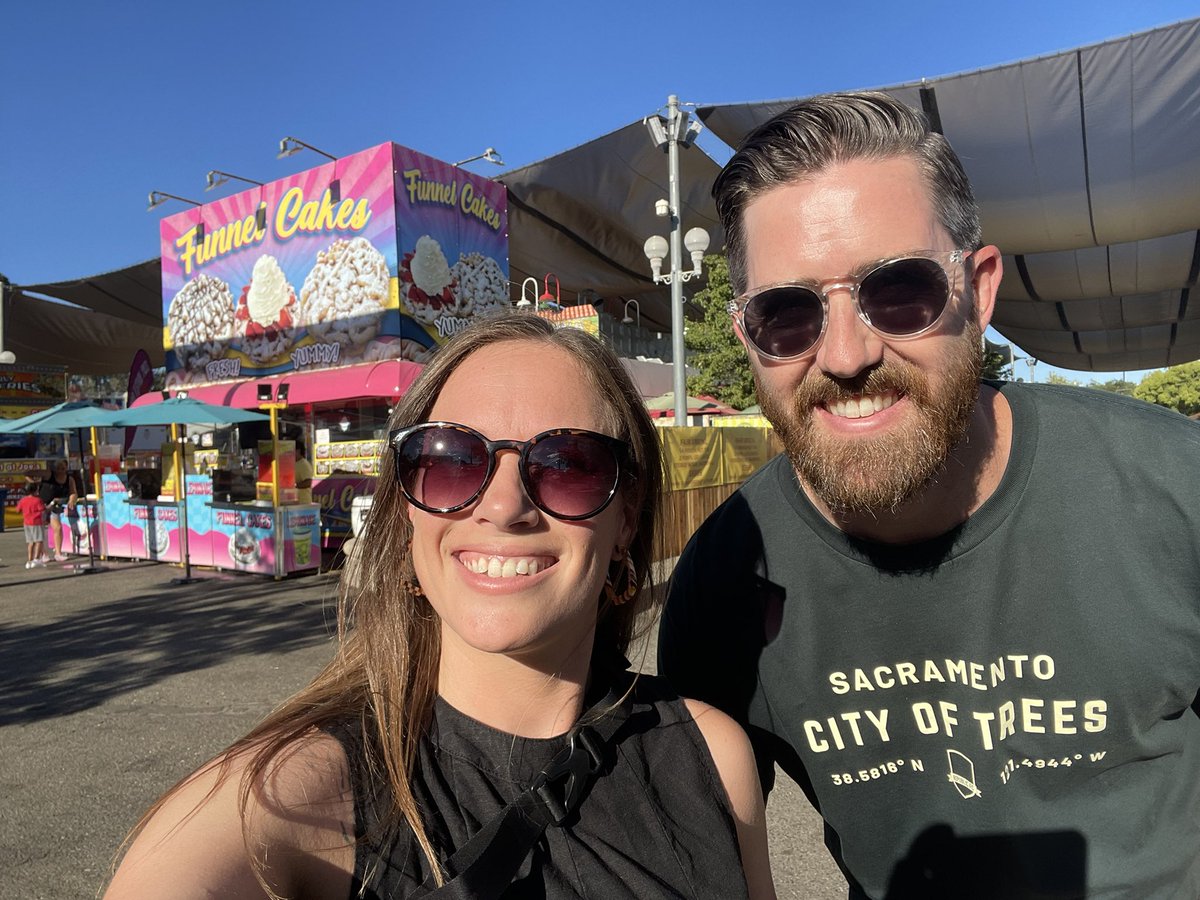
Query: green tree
x=1176, y=388
x=995, y=364
x=1055, y=378
x=1115, y=386
x=724, y=369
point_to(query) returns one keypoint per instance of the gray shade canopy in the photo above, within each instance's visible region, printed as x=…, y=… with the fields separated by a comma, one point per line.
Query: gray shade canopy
x=1086, y=166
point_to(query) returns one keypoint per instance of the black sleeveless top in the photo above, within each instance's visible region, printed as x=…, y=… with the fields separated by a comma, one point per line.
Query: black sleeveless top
x=657, y=825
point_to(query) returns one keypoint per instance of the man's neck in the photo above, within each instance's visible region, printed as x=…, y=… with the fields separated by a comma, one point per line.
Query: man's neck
x=969, y=477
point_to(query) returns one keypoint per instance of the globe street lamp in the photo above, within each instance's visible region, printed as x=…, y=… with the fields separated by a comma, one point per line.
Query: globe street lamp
x=670, y=133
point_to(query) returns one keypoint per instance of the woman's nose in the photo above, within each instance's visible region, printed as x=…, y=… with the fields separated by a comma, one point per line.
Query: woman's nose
x=504, y=502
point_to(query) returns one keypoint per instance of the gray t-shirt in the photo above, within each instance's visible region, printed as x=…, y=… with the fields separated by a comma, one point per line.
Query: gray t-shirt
x=999, y=712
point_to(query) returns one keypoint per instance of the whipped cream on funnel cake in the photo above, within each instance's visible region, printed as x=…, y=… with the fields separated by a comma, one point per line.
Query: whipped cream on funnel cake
x=265, y=312
x=426, y=282
x=430, y=271
x=269, y=291
x=346, y=293
x=200, y=321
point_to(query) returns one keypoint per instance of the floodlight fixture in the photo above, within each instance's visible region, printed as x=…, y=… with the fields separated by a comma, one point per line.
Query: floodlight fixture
x=658, y=131
x=216, y=178
x=488, y=155
x=290, y=146
x=158, y=198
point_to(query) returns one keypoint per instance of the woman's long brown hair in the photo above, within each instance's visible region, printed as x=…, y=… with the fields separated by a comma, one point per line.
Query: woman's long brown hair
x=384, y=670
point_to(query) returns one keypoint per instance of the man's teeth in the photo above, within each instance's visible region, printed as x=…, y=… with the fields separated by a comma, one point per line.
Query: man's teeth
x=861, y=407
x=506, y=567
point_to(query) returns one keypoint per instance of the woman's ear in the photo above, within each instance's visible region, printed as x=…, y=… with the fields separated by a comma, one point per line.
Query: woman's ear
x=625, y=531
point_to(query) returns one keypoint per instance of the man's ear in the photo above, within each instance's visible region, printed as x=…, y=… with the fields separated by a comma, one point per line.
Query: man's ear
x=737, y=329
x=987, y=268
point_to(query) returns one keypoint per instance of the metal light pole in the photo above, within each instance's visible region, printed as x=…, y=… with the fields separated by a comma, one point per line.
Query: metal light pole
x=677, y=131
x=1031, y=362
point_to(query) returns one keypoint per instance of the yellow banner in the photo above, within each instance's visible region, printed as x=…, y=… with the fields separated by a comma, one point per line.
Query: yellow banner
x=743, y=451
x=695, y=457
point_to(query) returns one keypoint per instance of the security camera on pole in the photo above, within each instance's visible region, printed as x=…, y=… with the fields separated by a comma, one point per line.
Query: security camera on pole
x=672, y=132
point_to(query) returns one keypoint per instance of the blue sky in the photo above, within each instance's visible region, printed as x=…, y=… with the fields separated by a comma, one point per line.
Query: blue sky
x=104, y=102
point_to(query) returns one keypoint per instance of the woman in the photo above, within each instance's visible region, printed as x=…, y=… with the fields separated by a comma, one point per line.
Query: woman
x=504, y=563
x=58, y=492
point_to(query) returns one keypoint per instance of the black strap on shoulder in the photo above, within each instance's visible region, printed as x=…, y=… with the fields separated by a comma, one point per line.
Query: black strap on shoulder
x=483, y=867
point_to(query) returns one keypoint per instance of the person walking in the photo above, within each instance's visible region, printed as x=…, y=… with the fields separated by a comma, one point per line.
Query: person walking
x=33, y=515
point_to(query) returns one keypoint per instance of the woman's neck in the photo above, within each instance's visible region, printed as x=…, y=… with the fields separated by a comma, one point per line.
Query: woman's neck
x=518, y=696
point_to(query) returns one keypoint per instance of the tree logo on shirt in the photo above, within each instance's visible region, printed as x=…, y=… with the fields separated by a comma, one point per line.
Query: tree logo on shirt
x=962, y=775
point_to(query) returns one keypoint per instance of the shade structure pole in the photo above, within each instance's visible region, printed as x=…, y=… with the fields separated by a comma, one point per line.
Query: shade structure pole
x=183, y=512
x=275, y=456
x=678, y=369
x=91, y=567
x=181, y=498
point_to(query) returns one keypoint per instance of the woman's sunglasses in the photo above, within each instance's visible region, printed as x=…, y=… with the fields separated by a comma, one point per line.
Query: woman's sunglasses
x=899, y=298
x=568, y=473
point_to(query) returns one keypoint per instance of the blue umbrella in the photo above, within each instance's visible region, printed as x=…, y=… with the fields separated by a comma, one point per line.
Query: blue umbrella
x=186, y=411
x=60, y=418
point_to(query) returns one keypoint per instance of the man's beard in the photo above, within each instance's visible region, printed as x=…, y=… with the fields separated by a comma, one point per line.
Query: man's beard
x=877, y=474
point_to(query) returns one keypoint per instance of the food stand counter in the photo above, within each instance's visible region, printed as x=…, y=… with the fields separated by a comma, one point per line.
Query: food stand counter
x=265, y=539
x=246, y=537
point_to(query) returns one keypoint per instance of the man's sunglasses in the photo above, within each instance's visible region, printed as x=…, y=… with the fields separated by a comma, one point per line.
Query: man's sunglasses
x=898, y=298
x=568, y=473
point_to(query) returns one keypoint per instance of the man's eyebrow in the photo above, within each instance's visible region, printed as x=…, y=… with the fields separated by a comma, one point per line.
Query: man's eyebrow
x=864, y=267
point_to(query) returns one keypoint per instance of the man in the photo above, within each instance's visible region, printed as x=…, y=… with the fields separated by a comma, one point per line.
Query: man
x=304, y=475
x=964, y=617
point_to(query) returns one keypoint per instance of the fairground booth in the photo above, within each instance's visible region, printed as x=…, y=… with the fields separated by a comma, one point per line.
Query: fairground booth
x=314, y=299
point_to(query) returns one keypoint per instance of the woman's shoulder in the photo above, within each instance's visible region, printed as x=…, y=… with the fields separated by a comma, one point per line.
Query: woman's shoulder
x=285, y=815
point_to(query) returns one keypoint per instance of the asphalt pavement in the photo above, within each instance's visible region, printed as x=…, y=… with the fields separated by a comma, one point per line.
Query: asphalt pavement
x=116, y=683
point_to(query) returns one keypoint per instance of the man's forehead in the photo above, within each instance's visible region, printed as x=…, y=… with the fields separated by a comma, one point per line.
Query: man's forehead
x=839, y=219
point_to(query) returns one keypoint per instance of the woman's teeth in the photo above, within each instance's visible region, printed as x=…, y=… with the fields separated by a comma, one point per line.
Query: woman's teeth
x=861, y=407
x=502, y=567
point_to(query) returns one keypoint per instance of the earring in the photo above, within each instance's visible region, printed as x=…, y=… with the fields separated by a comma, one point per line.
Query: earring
x=630, y=588
x=631, y=583
x=410, y=575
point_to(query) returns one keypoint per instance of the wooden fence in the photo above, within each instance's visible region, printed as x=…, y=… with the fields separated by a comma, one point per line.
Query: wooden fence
x=703, y=467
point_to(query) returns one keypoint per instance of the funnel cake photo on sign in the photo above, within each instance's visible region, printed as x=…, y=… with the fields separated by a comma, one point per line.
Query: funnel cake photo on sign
x=426, y=282
x=346, y=294
x=480, y=286
x=265, y=315
x=200, y=321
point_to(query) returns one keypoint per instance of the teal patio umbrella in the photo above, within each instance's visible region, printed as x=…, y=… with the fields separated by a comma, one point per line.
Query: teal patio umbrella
x=186, y=411
x=61, y=419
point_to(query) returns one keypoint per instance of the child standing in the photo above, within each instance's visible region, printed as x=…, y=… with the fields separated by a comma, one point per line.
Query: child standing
x=33, y=514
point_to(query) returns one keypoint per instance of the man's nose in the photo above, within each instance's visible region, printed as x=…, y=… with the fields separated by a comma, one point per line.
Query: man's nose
x=848, y=346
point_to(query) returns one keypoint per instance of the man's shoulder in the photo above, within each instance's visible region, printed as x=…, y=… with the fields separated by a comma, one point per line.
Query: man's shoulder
x=761, y=495
x=1067, y=408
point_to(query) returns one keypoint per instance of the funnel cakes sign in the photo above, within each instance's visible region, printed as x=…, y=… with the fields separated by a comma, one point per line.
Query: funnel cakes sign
x=379, y=255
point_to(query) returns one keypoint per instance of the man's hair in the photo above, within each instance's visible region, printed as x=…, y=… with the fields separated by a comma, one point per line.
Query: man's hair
x=835, y=128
